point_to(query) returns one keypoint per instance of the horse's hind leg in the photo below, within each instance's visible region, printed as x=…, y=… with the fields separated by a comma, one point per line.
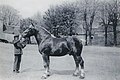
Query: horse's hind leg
x=76, y=59
x=46, y=62
x=79, y=60
x=82, y=74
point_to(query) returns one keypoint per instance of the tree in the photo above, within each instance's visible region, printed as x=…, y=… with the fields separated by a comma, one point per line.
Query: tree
x=38, y=19
x=88, y=12
x=63, y=17
x=104, y=18
x=114, y=14
x=9, y=16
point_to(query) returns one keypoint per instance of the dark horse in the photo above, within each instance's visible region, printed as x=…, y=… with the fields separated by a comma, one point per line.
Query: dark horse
x=49, y=45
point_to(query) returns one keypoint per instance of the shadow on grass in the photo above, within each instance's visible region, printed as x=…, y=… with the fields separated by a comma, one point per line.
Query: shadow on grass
x=59, y=72
x=62, y=72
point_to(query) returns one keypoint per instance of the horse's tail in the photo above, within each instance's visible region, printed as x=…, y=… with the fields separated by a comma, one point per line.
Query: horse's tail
x=78, y=45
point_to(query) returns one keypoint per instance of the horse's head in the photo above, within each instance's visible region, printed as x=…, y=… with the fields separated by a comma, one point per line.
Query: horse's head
x=29, y=32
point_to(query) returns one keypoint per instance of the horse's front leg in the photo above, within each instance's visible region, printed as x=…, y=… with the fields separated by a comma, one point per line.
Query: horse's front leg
x=46, y=62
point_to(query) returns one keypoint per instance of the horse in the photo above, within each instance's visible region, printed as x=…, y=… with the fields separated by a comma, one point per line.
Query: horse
x=49, y=45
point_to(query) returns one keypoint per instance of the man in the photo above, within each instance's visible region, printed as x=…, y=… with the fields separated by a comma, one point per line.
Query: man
x=18, y=46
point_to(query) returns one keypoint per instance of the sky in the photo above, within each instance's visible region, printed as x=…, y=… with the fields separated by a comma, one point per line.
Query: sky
x=28, y=8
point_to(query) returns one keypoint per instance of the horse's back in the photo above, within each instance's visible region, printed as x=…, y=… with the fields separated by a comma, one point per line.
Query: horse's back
x=73, y=42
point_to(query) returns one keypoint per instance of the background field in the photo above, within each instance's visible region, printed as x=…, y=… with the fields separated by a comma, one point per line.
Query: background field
x=101, y=63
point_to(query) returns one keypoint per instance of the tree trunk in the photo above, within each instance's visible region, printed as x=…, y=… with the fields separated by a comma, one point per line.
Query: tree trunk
x=86, y=38
x=90, y=27
x=106, y=35
x=90, y=34
x=115, y=34
x=90, y=40
x=70, y=31
x=4, y=27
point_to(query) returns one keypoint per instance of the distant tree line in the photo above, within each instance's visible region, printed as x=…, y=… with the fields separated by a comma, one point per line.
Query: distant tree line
x=64, y=18
x=9, y=16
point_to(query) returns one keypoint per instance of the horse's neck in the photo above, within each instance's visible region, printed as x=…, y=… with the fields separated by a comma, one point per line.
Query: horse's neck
x=38, y=38
x=41, y=35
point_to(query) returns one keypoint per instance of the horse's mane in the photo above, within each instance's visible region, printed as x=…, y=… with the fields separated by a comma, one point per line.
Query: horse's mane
x=47, y=32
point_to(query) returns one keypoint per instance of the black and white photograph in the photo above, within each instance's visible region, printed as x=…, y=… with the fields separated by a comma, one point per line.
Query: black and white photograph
x=59, y=39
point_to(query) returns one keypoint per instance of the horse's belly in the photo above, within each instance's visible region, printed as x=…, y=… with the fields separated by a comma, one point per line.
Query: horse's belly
x=59, y=52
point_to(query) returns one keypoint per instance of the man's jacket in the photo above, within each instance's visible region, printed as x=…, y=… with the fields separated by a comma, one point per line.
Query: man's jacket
x=18, y=46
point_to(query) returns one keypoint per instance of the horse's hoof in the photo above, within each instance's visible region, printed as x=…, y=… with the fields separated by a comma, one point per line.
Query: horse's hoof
x=75, y=74
x=48, y=74
x=82, y=76
x=43, y=77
